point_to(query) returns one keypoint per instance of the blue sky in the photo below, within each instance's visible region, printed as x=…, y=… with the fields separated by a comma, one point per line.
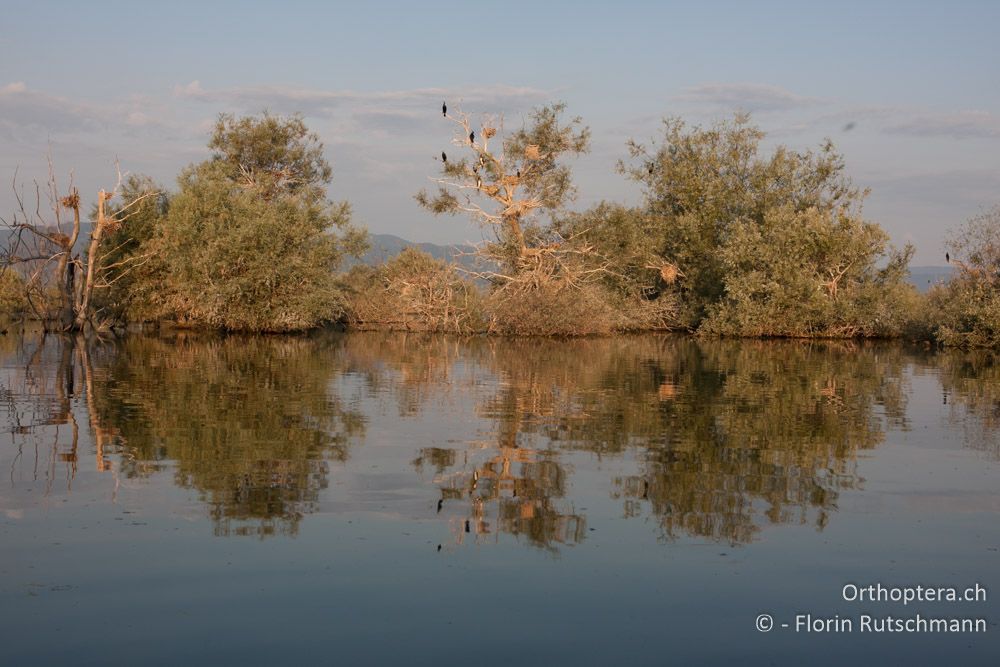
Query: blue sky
x=142, y=82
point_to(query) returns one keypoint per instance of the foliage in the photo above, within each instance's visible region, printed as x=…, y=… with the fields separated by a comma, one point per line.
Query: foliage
x=123, y=266
x=414, y=292
x=246, y=243
x=747, y=244
x=13, y=302
x=810, y=274
x=507, y=189
x=966, y=311
x=551, y=308
x=614, y=243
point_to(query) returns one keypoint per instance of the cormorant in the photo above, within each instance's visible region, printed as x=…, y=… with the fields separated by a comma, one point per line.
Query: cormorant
x=472, y=137
x=519, y=173
x=444, y=109
x=444, y=158
x=947, y=258
x=440, y=504
x=650, y=168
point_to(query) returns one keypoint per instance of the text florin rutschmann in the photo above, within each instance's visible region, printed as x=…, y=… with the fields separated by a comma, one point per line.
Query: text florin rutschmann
x=874, y=594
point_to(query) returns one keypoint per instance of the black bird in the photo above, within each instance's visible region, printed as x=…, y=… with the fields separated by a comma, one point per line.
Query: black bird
x=444, y=109
x=444, y=158
x=650, y=167
x=472, y=137
x=519, y=173
x=947, y=258
x=440, y=504
x=467, y=527
x=439, y=547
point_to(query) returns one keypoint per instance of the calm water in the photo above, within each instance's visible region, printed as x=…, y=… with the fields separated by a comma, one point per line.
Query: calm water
x=376, y=499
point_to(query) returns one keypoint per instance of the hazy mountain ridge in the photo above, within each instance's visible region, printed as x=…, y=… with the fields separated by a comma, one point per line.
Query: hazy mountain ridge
x=383, y=247
x=386, y=246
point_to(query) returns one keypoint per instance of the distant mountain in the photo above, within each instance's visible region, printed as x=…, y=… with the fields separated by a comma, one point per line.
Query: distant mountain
x=384, y=247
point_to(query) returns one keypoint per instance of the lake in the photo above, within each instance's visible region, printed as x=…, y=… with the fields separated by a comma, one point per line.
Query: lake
x=370, y=498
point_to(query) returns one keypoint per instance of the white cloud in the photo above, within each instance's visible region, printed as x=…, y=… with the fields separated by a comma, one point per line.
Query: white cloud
x=958, y=125
x=745, y=97
x=318, y=102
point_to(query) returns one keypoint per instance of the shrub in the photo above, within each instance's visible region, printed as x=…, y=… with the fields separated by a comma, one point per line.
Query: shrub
x=551, y=308
x=246, y=245
x=413, y=292
x=13, y=302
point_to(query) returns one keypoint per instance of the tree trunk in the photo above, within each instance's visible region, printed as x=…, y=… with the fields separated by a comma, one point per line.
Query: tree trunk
x=66, y=271
x=83, y=307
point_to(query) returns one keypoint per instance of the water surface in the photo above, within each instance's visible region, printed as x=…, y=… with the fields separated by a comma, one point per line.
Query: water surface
x=377, y=498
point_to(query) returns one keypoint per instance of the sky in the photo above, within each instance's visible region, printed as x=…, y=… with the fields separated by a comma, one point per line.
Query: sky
x=908, y=91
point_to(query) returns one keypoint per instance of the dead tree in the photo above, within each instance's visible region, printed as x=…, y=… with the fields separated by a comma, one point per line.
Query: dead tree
x=503, y=186
x=36, y=244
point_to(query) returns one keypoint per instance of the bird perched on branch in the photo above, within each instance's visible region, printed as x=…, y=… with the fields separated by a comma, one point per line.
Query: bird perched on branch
x=472, y=137
x=444, y=157
x=947, y=258
x=444, y=109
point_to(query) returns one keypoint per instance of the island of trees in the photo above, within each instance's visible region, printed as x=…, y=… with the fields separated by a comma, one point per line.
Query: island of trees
x=728, y=240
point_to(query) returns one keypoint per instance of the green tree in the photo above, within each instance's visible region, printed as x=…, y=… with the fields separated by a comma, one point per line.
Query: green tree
x=966, y=311
x=247, y=243
x=745, y=243
x=124, y=266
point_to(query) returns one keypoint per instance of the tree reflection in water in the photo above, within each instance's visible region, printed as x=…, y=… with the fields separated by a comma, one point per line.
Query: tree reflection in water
x=728, y=434
x=247, y=422
x=971, y=380
x=715, y=438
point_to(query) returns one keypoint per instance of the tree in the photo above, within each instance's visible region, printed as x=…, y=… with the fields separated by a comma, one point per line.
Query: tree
x=125, y=263
x=46, y=249
x=542, y=283
x=744, y=243
x=505, y=188
x=247, y=243
x=965, y=312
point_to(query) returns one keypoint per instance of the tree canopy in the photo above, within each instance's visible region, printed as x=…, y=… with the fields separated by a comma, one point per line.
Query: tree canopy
x=248, y=243
x=747, y=243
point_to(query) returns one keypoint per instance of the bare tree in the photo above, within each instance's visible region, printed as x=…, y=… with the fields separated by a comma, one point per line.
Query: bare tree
x=503, y=182
x=43, y=248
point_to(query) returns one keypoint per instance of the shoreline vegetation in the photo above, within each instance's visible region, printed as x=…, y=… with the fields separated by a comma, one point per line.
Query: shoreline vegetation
x=729, y=240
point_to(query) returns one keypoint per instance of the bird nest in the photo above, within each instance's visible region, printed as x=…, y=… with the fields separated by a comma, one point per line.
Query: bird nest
x=669, y=272
x=60, y=240
x=532, y=152
x=517, y=209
